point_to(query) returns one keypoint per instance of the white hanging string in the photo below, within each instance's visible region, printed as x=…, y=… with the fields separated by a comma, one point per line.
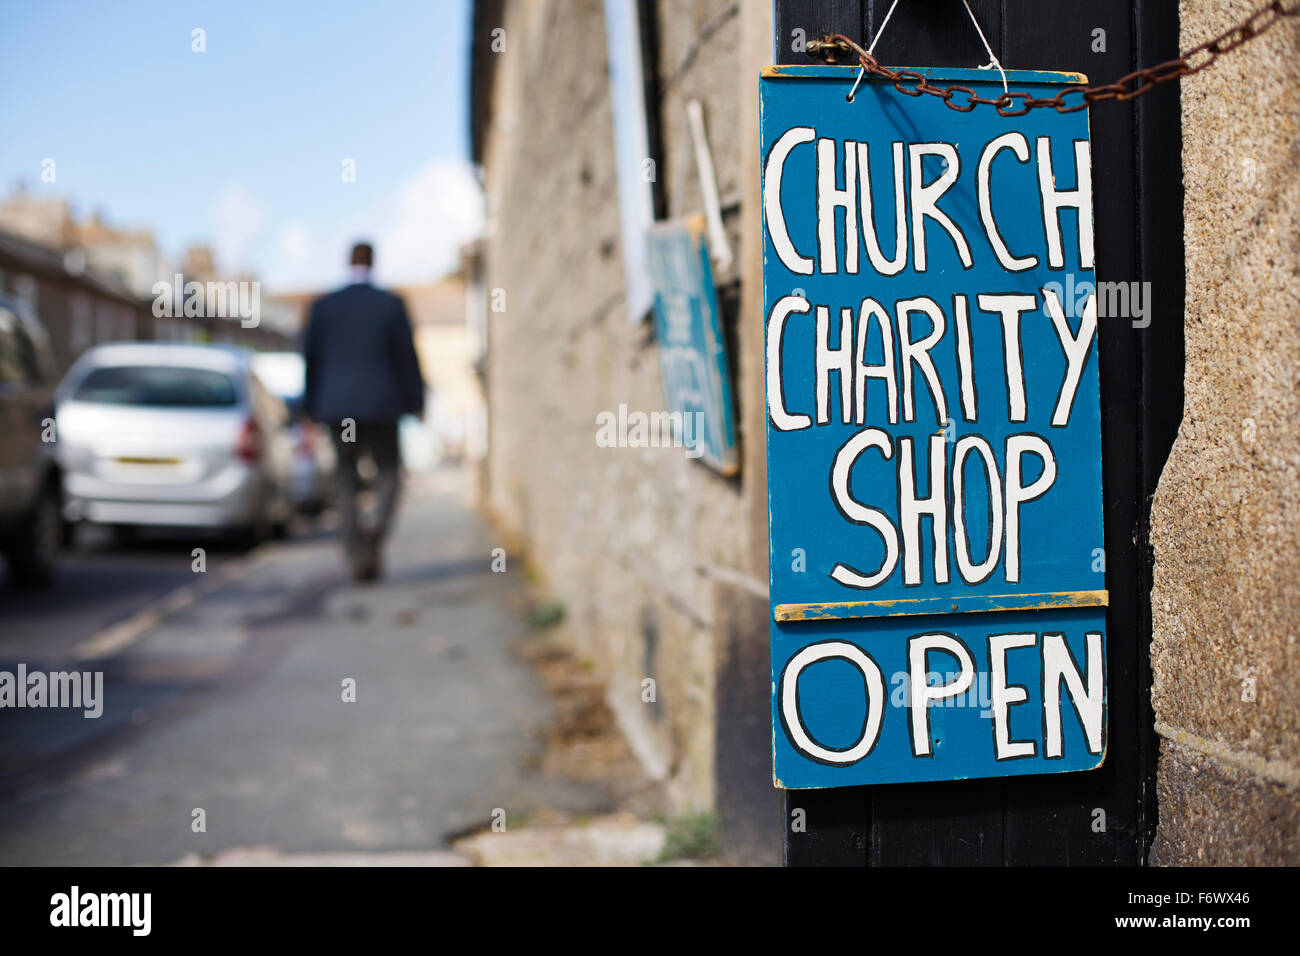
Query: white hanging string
x=871, y=49
x=883, y=23
x=993, y=60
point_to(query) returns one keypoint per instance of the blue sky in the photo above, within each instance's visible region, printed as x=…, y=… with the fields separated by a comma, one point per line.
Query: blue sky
x=242, y=146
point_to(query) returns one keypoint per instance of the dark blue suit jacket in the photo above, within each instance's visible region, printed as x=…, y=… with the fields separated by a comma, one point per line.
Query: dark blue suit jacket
x=360, y=356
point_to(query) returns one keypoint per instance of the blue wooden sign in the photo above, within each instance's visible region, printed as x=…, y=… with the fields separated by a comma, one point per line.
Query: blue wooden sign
x=692, y=352
x=934, y=433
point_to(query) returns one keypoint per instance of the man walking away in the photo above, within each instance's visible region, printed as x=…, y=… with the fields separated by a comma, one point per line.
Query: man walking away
x=362, y=375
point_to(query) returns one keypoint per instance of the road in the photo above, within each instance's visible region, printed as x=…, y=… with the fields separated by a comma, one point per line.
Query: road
x=100, y=583
x=224, y=700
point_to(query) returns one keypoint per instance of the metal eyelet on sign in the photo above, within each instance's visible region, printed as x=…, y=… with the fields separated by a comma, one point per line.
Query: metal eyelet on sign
x=1006, y=99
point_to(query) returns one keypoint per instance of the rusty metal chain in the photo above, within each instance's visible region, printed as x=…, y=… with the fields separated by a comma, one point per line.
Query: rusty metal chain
x=1125, y=88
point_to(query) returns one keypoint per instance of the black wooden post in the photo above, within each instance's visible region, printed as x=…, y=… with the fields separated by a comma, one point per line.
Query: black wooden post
x=1137, y=200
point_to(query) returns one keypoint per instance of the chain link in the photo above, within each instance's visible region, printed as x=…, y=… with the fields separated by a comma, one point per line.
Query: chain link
x=1127, y=87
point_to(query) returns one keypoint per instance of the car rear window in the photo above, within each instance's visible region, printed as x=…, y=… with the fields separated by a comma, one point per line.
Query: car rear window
x=158, y=386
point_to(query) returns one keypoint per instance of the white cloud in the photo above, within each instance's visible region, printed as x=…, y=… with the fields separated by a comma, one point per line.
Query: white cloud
x=417, y=229
x=433, y=213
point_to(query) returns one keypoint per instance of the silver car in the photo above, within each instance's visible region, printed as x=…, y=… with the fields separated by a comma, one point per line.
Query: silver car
x=172, y=435
x=314, y=462
x=29, y=475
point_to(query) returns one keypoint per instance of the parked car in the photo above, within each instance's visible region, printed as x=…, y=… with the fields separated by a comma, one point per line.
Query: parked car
x=312, y=475
x=173, y=435
x=30, y=528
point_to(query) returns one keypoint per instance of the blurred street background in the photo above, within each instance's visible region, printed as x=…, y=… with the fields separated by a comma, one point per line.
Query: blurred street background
x=224, y=695
x=166, y=513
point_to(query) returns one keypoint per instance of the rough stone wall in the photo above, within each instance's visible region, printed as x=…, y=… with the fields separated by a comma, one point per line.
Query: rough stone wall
x=633, y=541
x=1226, y=516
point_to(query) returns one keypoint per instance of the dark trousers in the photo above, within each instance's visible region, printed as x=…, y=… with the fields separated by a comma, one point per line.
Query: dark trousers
x=378, y=442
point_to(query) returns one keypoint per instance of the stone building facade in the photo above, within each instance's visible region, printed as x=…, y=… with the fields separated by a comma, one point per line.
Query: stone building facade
x=659, y=560
x=1226, y=518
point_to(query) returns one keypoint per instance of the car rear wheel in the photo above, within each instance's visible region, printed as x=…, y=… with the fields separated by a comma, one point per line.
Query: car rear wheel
x=34, y=555
x=255, y=532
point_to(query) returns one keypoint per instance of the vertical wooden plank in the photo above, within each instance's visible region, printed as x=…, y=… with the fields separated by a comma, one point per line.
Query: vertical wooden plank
x=750, y=811
x=827, y=827
x=935, y=33
x=938, y=824
x=1159, y=146
x=805, y=20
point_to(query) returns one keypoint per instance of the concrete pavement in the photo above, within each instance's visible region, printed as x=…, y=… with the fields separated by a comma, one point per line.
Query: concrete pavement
x=233, y=704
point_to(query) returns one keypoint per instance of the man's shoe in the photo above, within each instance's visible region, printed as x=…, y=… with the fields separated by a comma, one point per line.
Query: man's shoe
x=376, y=556
x=366, y=567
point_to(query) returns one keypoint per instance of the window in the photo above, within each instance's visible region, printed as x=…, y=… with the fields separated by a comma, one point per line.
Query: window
x=17, y=354
x=629, y=39
x=158, y=386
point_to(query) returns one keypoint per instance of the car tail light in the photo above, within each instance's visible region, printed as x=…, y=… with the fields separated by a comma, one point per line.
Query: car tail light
x=249, y=446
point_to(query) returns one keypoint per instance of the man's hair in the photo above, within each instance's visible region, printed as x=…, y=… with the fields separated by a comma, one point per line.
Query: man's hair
x=363, y=254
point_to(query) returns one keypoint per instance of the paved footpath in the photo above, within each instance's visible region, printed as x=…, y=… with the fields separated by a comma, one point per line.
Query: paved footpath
x=230, y=701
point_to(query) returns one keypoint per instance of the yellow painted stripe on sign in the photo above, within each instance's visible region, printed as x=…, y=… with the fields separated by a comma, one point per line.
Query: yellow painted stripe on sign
x=843, y=610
